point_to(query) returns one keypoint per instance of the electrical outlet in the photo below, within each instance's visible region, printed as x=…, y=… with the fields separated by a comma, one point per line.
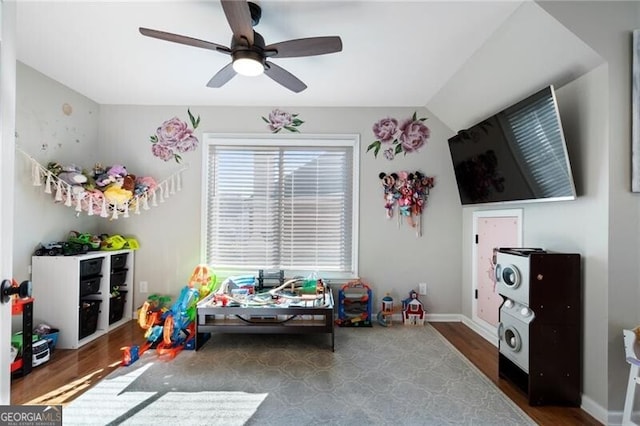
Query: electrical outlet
x=144, y=287
x=422, y=288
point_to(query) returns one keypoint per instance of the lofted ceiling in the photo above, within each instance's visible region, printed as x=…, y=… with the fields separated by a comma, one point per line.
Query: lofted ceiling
x=395, y=53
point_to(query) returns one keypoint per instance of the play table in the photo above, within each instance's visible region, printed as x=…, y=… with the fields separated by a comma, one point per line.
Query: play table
x=285, y=317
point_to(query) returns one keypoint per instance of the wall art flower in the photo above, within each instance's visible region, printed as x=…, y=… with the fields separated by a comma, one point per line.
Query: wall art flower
x=406, y=192
x=279, y=120
x=174, y=137
x=395, y=137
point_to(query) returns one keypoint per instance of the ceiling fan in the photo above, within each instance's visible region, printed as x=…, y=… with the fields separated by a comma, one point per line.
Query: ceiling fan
x=248, y=51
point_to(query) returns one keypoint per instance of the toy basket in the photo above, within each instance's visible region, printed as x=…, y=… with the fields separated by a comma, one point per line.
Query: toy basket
x=52, y=338
x=116, y=307
x=89, y=312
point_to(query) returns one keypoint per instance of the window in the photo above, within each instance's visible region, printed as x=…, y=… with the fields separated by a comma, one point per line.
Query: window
x=281, y=202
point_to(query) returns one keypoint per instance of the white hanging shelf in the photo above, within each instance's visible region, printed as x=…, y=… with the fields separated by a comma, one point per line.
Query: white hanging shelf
x=94, y=202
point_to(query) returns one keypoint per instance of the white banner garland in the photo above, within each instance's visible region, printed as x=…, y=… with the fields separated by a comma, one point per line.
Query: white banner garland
x=94, y=202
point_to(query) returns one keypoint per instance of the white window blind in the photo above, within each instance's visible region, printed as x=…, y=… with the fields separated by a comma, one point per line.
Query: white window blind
x=280, y=204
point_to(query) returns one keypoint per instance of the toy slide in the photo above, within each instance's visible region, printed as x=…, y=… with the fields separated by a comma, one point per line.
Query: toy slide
x=170, y=329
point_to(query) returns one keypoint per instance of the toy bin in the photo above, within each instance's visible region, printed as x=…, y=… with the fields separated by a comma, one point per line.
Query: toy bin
x=118, y=278
x=118, y=261
x=116, y=307
x=89, y=313
x=52, y=338
x=90, y=285
x=91, y=267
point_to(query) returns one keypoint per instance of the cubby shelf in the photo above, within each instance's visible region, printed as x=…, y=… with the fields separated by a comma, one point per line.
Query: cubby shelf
x=77, y=301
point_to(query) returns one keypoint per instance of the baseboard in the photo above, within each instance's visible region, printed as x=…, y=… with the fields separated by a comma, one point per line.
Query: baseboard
x=397, y=318
x=588, y=405
x=444, y=317
x=488, y=335
x=598, y=412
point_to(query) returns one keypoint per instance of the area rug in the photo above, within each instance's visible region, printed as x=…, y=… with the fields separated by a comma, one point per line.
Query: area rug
x=399, y=375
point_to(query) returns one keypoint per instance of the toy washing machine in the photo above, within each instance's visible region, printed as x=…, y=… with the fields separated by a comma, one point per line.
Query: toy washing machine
x=513, y=331
x=513, y=273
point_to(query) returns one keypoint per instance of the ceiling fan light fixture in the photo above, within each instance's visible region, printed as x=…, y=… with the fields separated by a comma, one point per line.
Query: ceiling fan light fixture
x=249, y=53
x=248, y=63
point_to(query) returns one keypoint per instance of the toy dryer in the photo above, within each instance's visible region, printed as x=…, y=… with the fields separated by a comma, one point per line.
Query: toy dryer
x=540, y=323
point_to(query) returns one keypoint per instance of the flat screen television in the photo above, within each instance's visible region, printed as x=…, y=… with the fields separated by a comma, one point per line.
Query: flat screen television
x=516, y=155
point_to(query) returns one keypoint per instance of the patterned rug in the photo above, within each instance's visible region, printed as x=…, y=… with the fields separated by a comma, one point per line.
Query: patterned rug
x=399, y=375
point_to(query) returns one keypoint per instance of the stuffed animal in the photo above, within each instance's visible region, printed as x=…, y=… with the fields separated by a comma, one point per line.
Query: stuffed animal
x=97, y=170
x=129, y=183
x=117, y=195
x=117, y=170
x=54, y=168
x=144, y=184
x=72, y=175
x=112, y=175
x=90, y=184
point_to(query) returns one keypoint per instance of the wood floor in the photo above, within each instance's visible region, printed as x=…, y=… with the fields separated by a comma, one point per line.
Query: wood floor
x=485, y=356
x=71, y=372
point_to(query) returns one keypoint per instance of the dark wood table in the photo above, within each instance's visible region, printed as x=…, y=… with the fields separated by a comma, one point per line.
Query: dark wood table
x=266, y=319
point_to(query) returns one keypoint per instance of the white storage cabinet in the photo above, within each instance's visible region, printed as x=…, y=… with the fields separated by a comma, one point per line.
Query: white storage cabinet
x=74, y=294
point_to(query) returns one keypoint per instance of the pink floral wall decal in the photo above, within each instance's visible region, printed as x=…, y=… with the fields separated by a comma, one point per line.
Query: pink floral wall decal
x=279, y=120
x=395, y=137
x=174, y=137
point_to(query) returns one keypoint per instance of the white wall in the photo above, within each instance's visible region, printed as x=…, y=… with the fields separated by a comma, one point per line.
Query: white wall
x=578, y=226
x=528, y=51
x=7, y=130
x=601, y=225
x=607, y=27
x=46, y=133
x=391, y=259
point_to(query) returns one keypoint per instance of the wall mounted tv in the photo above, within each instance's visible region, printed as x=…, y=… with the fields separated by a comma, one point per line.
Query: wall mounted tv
x=516, y=155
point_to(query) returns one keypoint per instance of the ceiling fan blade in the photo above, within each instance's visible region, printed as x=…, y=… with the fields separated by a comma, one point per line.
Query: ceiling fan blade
x=284, y=77
x=239, y=18
x=222, y=76
x=189, y=41
x=305, y=47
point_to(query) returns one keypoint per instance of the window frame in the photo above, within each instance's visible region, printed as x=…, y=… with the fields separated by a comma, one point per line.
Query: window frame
x=287, y=140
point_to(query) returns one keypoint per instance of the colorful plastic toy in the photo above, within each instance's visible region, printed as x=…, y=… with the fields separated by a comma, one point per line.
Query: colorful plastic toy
x=92, y=241
x=113, y=242
x=385, y=316
x=203, y=280
x=171, y=329
x=355, y=304
x=131, y=354
x=413, y=312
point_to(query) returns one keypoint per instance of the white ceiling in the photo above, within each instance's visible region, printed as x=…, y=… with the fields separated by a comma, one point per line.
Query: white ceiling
x=461, y=59
x=395, y=53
